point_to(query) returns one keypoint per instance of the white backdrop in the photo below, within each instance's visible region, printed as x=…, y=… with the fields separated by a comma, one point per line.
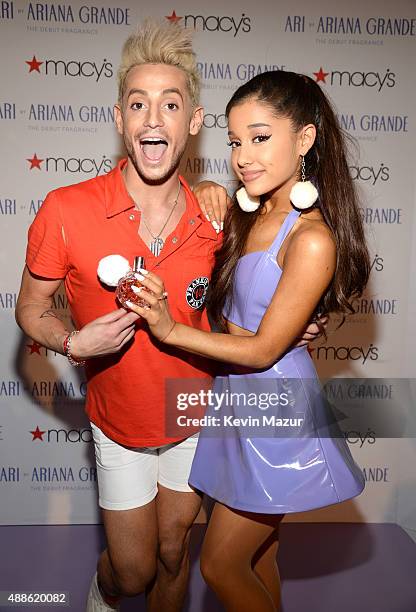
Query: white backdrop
x=58, y=66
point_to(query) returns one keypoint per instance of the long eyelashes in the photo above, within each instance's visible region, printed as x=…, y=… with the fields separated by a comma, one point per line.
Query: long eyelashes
x=262, y=137
x=257, y=140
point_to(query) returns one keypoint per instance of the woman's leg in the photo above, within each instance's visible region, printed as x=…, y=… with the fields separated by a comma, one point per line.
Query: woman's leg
x=229, y=555
x=265, y=566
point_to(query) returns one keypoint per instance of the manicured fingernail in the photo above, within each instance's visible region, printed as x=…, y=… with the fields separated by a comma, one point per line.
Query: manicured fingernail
x=215, y=226
x=138, y=276
x=136, y=289
x=143, y=271
x=222, y=225
x=207, y=217
x=129, y=304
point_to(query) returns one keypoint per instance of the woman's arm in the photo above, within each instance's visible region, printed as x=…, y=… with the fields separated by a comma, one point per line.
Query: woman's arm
x=308, y=268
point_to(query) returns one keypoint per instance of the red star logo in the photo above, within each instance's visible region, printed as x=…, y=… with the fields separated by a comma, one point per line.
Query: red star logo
x=320, y=76
x=37, y=434
x=34, y=347
x=34, y=65
x=34, y=162
x=173, y=18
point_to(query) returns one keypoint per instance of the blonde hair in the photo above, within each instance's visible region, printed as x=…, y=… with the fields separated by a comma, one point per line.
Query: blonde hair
x=160, y=43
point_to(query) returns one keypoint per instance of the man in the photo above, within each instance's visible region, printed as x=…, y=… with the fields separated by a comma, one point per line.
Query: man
x=144, y=208
x=148, y=507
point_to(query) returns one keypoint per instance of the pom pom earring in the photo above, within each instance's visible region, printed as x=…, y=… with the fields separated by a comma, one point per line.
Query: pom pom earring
x=246, y=202
x=303, y=194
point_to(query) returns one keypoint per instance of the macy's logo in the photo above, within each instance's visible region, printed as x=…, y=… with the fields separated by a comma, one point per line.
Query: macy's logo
x=213, y=23
x=71, y=68
x=356, y=79
x=71, y=164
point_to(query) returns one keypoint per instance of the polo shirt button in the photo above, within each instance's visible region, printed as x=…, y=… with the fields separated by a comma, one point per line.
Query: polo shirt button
x=131, y=217
x=191, y=221
x=174, y=240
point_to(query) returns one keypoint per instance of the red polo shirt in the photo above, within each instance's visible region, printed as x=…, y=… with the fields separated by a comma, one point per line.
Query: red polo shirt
x=78, y=225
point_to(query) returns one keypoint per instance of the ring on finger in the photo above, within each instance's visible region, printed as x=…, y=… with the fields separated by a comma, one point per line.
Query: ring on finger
x=163, y=296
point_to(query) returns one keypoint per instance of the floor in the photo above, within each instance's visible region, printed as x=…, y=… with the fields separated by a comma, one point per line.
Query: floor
x=342, y=567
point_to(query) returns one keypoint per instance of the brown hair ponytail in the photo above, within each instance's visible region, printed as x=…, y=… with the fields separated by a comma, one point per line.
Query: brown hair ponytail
x=300, y=99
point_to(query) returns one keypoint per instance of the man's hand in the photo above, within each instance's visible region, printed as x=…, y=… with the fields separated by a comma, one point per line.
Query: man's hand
x=105, y=335
x=312, y=331
x=213, y=201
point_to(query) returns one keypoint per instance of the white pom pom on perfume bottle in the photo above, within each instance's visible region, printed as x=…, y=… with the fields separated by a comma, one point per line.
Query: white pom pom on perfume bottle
x=111, y=268
x=303, y=195
x=246, y=202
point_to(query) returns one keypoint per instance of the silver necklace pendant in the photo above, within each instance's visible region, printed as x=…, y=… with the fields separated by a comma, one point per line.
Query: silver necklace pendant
x=156, y=246
x=157, y=243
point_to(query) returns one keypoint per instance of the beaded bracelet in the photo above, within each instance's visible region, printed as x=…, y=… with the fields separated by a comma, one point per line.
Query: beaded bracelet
x=67, y=349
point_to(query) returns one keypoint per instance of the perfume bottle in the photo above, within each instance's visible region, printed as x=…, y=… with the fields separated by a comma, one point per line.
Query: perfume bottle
x=125, y=292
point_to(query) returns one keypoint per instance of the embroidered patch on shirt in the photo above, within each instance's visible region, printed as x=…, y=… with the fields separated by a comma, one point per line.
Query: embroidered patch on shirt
x=196, y=292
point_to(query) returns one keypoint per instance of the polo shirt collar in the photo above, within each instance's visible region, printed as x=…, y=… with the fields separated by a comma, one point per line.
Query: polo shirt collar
x=202, y=227
x=117, y=200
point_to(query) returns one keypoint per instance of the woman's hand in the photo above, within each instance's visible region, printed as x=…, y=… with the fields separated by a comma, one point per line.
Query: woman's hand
x=312, y=331
x=156, y=312
x=213, y=200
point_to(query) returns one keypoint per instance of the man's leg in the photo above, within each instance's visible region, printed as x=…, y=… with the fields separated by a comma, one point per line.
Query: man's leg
x=127, y=482
x=176, y=513
x=128, y=564
x=177, y=506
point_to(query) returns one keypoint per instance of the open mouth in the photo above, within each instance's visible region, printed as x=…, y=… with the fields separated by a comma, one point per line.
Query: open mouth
x=153, y=148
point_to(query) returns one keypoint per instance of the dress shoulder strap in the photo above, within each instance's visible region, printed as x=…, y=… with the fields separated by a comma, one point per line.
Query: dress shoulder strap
x=284, y=230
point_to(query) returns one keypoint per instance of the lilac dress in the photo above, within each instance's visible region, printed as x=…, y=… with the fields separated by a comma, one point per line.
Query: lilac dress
x=260, y=469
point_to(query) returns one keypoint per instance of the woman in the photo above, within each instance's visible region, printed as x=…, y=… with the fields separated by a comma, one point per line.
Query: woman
x=283, y=261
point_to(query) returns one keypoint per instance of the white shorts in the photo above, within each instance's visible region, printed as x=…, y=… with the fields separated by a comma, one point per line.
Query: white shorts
x=128, y=477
